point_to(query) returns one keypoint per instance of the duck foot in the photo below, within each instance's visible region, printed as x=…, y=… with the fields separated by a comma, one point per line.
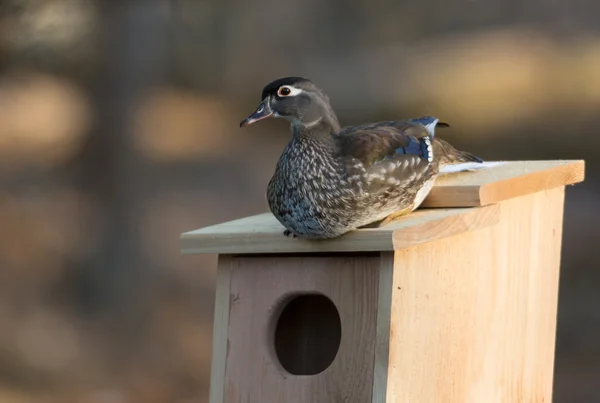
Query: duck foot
x=289, y=233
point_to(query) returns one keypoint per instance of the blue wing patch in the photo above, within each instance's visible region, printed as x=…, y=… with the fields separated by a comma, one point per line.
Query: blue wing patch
x=420, y=147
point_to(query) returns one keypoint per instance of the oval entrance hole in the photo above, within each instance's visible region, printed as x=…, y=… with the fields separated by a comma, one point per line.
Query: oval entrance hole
x=308, y=334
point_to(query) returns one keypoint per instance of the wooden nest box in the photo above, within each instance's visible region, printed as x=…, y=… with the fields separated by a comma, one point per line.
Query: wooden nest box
x=456, y=302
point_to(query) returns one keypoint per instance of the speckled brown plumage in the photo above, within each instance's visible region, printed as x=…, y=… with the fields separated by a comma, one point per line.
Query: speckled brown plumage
x=331, y=180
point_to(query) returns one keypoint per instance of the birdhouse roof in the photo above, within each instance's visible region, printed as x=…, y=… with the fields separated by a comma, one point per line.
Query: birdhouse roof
x=457, y=203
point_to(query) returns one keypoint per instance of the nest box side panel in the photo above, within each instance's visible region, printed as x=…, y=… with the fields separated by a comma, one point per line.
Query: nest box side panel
x=301, y=329
x=473, y=316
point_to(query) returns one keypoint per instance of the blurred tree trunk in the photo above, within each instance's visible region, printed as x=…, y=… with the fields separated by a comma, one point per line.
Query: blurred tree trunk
x=113, y=270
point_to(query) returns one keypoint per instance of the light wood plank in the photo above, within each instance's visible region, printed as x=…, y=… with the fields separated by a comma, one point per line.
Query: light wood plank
x=259, y=288
x=220, y=327
x=450, y=225
x=503, y=182
x=474, y=315
x=382, y=337
x=264, y=234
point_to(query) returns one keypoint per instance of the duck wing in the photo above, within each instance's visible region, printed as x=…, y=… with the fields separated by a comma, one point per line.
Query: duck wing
x=390, y=153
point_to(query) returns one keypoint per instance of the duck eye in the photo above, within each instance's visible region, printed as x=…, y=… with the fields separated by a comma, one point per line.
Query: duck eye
x=284, y=91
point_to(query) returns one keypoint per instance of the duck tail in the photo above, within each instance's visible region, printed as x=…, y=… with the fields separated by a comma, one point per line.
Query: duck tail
x=447, y=154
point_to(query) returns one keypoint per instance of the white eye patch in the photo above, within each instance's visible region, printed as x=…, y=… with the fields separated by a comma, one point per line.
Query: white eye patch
x=293, y=91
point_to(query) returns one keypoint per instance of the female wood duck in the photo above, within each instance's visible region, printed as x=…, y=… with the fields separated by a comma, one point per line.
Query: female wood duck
x=331, y=180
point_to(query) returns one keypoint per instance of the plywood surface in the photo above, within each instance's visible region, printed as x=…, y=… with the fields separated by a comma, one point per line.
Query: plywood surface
x=462, y=202
x=474, y=316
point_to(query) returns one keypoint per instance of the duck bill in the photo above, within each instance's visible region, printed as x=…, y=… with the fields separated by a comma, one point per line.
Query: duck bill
x=264, y=111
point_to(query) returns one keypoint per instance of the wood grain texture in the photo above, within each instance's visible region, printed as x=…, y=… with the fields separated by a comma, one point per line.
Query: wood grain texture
x=259, y=286
x=382, y=337
x=509, y=180
x=220, y=326
x=263, y=233
x=474, y=315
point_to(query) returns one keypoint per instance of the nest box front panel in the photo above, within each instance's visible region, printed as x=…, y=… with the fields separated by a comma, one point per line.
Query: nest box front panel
x=301, y=329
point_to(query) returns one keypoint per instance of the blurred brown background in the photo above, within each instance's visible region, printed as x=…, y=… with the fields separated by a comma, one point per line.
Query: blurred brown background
x=119, y=130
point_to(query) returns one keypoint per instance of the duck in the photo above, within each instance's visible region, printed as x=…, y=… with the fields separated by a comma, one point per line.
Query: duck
x=331, y=180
